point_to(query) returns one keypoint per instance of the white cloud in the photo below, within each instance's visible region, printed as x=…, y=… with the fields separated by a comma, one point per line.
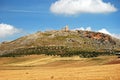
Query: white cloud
x=82, y=28
x=116, y=35
x=88, y=29
x=103, y=30
x=73, y=7
x=7, y=30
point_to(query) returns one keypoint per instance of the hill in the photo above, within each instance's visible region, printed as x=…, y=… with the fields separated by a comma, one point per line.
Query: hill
x=61, y=42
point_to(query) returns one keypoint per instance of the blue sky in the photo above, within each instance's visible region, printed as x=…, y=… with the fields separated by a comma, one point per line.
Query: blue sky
x=35, y=15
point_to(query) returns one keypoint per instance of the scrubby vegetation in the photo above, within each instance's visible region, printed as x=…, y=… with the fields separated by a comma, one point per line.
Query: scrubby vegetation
x=62, y=51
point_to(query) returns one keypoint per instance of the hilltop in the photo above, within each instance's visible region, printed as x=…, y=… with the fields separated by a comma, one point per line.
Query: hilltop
x=66, y=40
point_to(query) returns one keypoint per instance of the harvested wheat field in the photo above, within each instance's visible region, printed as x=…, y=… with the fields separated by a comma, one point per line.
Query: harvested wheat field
x=56, y=68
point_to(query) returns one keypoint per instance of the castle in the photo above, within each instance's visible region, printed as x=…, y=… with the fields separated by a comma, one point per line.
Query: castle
x=66, y=29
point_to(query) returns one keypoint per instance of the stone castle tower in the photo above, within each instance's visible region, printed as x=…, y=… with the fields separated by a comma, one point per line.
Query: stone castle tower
x=66, y=28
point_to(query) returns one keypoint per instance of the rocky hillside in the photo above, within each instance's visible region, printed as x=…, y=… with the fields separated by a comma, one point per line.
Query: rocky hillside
x=81, y=40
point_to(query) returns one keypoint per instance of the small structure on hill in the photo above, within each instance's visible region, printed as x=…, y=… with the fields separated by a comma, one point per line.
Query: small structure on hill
x=66, y=28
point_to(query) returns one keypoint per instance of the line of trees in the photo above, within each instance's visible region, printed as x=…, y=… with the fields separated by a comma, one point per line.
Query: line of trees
x=62, y=51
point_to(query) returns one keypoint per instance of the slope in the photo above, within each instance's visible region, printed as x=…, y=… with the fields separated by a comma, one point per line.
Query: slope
x=78, y=40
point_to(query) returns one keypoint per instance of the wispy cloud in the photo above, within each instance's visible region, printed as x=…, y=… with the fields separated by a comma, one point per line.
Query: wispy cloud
x=24, y=11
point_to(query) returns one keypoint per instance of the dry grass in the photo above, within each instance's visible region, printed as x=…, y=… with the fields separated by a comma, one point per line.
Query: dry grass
x=55, y=68
x=48, y=61
x=105, y=72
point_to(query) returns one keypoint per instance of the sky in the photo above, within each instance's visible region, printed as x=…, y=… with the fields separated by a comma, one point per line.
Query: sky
x=22, y=17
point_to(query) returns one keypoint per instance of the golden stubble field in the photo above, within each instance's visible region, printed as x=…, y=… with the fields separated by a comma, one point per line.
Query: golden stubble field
x=56, y=68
